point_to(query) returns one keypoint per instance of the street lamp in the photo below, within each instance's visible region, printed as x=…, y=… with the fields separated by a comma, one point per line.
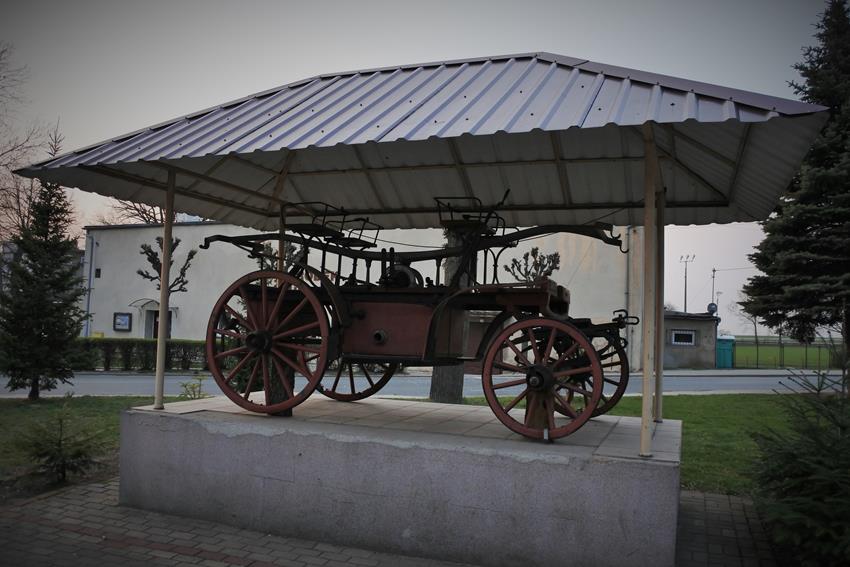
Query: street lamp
x=687, y=259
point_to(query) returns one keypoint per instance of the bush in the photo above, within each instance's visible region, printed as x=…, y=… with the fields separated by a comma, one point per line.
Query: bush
x=803, y=475
x=57, y=447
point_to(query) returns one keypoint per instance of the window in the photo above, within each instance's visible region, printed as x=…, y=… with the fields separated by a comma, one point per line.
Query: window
x=97, y=272
x=680, y=337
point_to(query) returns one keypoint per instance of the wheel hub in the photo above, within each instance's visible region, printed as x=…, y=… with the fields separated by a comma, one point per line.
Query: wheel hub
x=539, y=378
x=260, y=341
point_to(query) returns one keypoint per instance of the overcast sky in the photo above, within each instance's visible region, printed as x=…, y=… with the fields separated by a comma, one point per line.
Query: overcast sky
x=107, y=67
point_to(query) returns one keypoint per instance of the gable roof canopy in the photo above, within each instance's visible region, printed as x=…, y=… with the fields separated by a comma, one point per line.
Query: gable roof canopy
x=563, y=134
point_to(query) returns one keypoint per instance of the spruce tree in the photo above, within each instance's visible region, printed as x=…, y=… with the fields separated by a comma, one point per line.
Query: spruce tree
x=40, y=314
x=805, y=256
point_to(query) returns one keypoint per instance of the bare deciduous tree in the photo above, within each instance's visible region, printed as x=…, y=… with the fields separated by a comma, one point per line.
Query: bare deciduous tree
x=180, y=282
x=129, y=212
x=18, y=147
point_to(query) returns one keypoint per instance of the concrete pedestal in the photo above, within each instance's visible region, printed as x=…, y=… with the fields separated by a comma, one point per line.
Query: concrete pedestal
x=423, y=479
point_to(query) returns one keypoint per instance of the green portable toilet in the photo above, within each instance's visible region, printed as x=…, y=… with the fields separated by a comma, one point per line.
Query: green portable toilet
x=725, y=349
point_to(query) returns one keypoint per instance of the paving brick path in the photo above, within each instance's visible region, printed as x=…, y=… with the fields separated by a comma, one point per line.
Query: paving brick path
x=715, y=529
x=84, y=525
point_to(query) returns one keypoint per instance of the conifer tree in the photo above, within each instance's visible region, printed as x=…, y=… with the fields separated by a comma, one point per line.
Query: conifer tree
x=805, y=256
x=40, y=313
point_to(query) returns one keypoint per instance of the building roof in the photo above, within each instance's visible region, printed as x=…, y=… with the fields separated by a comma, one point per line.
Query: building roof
x=563, y=134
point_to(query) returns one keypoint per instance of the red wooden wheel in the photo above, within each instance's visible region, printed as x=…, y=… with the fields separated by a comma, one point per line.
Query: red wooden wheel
x=267, y=341
x=342, y=384
x=558, y=361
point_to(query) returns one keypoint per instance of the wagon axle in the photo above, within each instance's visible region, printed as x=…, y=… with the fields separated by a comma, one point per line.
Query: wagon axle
x=540, y=378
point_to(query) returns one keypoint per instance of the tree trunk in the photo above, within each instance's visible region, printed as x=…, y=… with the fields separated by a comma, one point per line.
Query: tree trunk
x=447, y=381
x=33, y=395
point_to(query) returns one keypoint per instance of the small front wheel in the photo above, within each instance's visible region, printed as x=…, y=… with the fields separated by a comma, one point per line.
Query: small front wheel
x=542, y=378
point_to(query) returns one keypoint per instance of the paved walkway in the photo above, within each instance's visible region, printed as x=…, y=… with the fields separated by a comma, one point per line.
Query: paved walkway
x=83, y=525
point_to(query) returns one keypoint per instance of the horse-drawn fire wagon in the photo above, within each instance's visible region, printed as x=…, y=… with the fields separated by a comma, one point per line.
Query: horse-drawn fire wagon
x=276, y=336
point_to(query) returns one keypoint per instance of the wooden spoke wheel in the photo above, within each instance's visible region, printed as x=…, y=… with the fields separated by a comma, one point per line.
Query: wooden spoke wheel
x=342, y=384
x=540, y=360
x=615, y=368
x=267, y=341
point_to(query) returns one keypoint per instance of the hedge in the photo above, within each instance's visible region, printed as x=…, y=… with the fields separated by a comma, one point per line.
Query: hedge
x=138, y=354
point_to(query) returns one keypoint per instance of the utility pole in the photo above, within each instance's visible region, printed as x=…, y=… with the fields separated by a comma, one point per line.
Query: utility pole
x=687, y=259
x=713, y=273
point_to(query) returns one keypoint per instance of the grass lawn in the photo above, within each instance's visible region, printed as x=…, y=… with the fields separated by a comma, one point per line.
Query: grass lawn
x=717, y=449
x=90, y=413
x=793, y=356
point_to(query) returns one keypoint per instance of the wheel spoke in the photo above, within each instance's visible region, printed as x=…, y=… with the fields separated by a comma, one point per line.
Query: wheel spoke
x=302, y=348
x=291, y=363
x=612, y=364
x=239, y=366
x=338, y=375
x=366, y=374
x=610, y=381
x=552, y=334
x=296, y=330
x=232, y=351
x=291, y=314
x=516, y=400
x=251, y=380
x=277, y=304
x=238, y=316
x=252, y=317
x=566, y=354
x=229, y=333
x=533, y=345
x=573, y=371
x=565, y=405
x=506, y=366
x=519, y=354
x=351, y=377
x=264, y=296
x=576, y=389
x=509, y=384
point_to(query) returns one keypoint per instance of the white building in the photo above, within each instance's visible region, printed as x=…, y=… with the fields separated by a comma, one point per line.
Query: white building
x=123, y=304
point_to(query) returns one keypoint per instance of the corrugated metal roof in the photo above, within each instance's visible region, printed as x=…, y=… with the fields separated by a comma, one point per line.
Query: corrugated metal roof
x=563, y=134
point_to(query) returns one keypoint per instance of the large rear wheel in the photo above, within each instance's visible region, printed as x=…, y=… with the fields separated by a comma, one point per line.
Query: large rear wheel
x=268, y=341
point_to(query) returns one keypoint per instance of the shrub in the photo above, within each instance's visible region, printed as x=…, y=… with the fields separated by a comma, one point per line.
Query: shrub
x=193, y=389
x=803, y=475
x=58, y=447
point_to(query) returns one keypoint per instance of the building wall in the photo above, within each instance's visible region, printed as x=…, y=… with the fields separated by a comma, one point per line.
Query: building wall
x=115, y=251
x=699, y=355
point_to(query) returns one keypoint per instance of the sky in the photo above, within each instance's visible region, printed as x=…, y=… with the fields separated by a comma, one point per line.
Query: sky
x=106, y=67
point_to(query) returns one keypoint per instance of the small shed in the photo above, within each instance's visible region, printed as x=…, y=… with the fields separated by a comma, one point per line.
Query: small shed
x=690, y=339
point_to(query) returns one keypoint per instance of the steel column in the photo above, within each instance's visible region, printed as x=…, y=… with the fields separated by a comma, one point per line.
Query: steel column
x=649, y=291
x=164, y=279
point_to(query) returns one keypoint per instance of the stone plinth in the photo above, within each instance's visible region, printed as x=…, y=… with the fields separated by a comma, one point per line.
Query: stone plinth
x=424, y=479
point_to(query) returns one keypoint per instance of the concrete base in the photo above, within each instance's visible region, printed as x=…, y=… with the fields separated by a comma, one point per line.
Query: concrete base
x=423, y=479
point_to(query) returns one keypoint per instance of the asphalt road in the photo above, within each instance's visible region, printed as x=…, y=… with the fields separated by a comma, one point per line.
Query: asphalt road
x=416, y=384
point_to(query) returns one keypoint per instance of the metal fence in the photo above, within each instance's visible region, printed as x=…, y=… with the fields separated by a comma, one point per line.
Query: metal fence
x=781, y=352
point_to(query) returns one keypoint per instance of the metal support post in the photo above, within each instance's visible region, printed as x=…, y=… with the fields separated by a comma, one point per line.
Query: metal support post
x=661, y=333
x=649, y=296
x=164, y=279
